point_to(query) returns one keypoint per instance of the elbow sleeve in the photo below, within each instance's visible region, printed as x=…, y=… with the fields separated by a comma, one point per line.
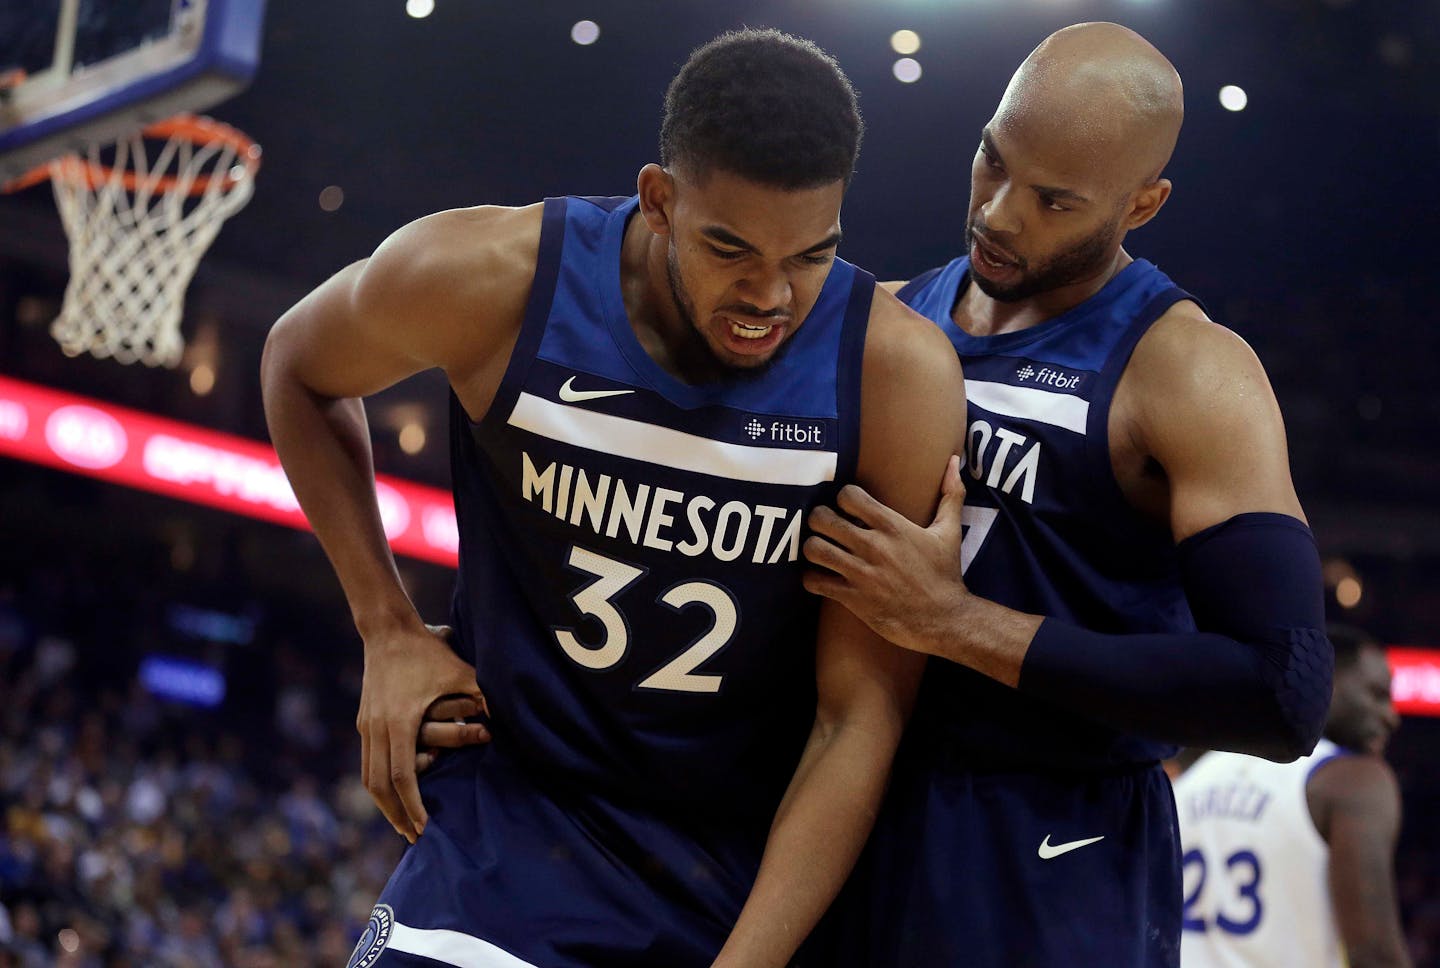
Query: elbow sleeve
x=1256, y=578
x=1254, y=678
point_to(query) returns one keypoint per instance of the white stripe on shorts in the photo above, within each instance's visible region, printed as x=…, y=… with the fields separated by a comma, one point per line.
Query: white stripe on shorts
x=451, y=948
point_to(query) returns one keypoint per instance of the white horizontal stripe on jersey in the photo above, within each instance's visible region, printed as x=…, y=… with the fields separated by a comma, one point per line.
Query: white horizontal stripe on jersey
x=1028, y=403
x=637, y=440
x=451, y=948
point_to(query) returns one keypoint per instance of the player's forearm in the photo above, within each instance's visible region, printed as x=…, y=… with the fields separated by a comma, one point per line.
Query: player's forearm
x=817, y=835
x=1254, y=679
x=1193, y=689
x=324, y=446
x=981, y=635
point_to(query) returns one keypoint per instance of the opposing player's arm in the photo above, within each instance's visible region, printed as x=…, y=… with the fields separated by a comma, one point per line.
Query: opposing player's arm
x=912, y=407
x=1355, y=802
x=447, y=291
x=1201, y=408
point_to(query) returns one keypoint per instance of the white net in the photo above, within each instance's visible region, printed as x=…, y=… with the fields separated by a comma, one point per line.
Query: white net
x=138, y=223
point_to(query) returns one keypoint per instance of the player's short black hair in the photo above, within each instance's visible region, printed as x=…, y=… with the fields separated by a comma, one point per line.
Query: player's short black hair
x=1348, y=641
x=766, y=106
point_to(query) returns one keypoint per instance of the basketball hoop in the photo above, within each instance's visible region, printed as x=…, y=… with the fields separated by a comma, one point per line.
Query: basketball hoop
x=138, y=224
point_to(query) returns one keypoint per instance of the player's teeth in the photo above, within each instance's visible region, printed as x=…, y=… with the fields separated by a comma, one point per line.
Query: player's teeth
x=749, y=332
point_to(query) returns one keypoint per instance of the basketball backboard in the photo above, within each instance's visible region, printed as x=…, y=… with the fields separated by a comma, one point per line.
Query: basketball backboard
x=93, y=70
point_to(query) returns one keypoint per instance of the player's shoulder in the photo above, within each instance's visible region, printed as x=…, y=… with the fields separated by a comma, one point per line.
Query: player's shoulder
x=456, y=249
x=1353, y=785
x=454, y=265
x=1187, y=350
x=904, y=345
x=1352, y=775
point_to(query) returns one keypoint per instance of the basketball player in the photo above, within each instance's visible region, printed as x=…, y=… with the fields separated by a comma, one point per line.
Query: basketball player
x=649, y=395
x=1293, y=864
x=1136, y=569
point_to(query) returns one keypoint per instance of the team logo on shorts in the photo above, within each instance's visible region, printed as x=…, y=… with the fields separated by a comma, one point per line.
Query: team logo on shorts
x=376, y=937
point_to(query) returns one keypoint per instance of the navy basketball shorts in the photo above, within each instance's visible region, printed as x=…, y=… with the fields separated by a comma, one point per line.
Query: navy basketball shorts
x=511, y=875
x=1016, y=870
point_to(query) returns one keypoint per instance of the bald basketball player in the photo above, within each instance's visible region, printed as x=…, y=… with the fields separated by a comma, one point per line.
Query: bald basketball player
x=1136, y=571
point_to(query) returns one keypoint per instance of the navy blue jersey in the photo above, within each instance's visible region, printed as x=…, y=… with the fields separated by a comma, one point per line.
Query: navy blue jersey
x=1016, y=834
x=629, y=591
x=1047, y=529
x=630, y=560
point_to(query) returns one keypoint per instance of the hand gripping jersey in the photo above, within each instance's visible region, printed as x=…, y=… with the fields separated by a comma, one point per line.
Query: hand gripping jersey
x=1017, y=834
x=629, y=591
x=1256, y=870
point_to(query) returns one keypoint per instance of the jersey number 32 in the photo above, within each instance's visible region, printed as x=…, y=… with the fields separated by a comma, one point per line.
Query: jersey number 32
x=596, y=600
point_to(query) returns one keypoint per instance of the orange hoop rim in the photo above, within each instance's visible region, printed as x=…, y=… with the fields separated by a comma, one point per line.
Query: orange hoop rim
x=195, y=129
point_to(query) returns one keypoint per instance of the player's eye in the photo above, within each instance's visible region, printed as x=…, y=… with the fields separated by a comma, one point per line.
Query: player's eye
x=1052, y=205
x=989, y=159
x=817, y=260
x=730, y=254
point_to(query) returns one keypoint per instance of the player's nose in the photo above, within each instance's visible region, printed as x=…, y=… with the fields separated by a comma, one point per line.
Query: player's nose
x=767, y=289
x=1000, y=213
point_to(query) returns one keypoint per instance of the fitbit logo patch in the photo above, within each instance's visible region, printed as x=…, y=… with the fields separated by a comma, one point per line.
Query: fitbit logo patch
x=1049, y=376
x=786, y=431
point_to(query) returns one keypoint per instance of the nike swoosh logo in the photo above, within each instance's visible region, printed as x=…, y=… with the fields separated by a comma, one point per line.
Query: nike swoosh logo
x=1047, y=851
x=569, y=394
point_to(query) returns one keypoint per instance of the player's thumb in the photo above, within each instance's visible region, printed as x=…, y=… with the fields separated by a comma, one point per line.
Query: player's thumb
x=461, y=681
x=952, y=500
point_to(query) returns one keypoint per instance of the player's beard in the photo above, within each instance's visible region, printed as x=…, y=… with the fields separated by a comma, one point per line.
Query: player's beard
x=697, y=347
x=1083, y=260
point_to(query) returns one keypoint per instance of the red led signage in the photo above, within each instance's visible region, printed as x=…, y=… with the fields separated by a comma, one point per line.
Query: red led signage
x=1415, y=680
x=179, y=460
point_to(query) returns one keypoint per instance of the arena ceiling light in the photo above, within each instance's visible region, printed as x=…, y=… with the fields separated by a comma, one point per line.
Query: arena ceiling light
x=585, y=32
x=905, y=42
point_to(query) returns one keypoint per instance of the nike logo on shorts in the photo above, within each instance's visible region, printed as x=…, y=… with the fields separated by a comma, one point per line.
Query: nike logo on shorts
x=569, y=394
x=1048, y=850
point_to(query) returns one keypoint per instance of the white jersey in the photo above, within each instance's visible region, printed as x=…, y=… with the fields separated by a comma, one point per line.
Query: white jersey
x=1256, y=869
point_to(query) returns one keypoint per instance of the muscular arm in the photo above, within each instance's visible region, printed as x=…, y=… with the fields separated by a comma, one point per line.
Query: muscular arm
x=911, y=390
x=410, y=307
x=1355, y=802
x=1202, y=411
x=1200, y=407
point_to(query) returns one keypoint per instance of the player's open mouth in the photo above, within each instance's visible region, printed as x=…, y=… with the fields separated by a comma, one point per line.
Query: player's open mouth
x=989, y=259
x=751, y=337
x=749, y=331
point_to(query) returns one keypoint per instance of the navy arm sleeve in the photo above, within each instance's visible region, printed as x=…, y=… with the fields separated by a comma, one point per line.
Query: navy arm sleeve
x=1254, y=679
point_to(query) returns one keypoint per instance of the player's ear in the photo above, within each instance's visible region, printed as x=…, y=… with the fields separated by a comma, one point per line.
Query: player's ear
x=656, y=188
x=1148, y=202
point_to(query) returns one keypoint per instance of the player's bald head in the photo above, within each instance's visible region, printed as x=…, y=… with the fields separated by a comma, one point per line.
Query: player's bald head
x=1101, y=95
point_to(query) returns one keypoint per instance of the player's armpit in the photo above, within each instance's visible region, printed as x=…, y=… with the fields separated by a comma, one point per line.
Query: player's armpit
x=1356, y=804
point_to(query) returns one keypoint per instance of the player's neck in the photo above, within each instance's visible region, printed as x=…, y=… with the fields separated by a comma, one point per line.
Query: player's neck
x=981, y=315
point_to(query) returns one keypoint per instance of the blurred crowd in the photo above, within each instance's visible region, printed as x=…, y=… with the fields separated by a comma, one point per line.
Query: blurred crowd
x=140, y=832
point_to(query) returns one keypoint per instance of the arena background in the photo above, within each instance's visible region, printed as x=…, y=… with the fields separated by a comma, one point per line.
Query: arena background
x=178, y=682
